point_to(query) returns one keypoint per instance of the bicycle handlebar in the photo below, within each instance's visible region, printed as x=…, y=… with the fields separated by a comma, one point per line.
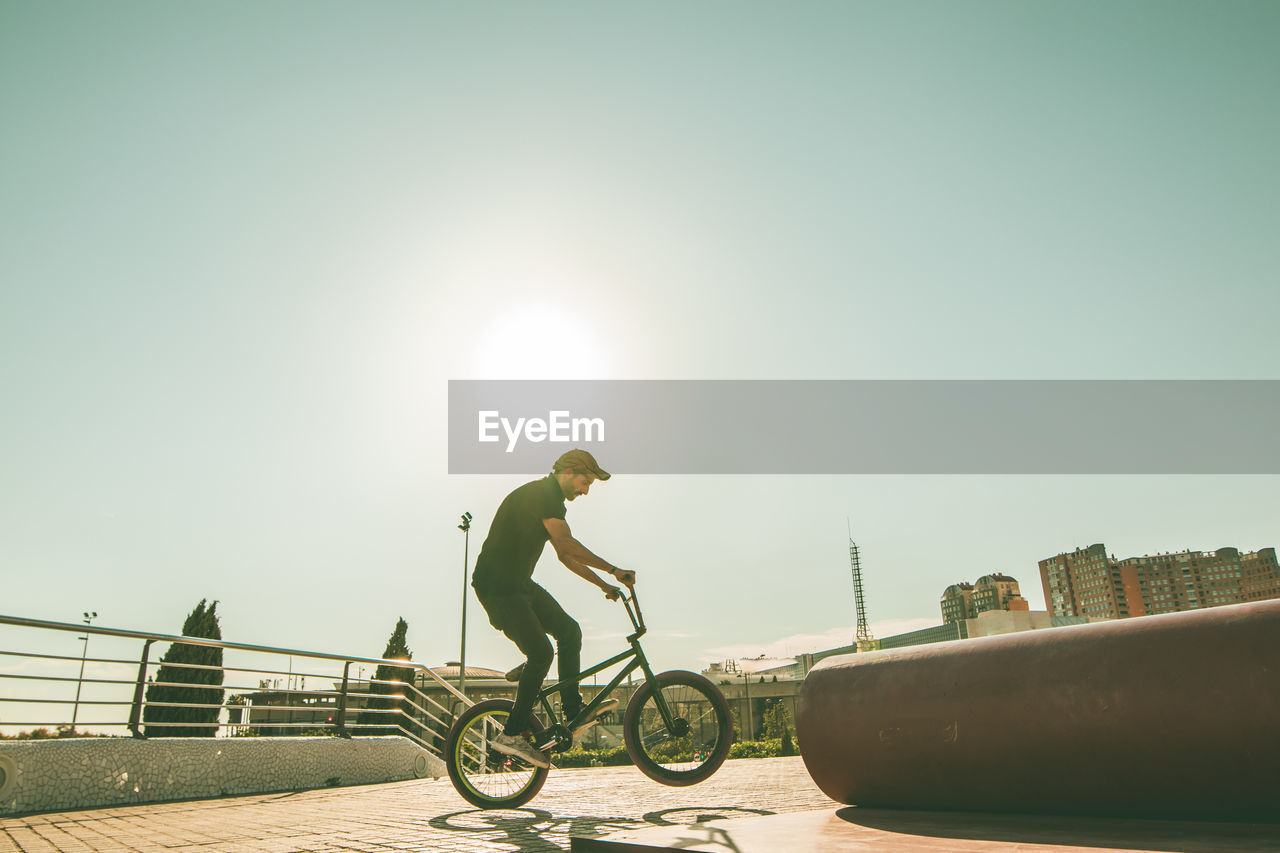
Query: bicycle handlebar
x=637, y=618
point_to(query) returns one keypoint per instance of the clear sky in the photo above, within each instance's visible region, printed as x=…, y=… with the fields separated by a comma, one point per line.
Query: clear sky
x=244, y=246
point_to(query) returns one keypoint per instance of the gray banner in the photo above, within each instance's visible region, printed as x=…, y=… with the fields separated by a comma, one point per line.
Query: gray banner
x=868, y=426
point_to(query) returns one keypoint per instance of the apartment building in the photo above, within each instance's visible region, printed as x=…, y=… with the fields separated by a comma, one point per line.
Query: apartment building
x=1088, y=582
x=996, y=591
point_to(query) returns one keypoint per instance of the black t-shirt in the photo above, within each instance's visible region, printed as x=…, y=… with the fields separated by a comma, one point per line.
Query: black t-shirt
x=517, y=536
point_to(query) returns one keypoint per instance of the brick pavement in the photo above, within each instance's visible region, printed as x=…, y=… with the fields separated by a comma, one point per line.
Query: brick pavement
x=421, y=815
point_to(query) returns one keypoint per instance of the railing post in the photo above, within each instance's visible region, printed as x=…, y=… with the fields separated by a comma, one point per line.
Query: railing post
x=135, y=714
x=340, y=719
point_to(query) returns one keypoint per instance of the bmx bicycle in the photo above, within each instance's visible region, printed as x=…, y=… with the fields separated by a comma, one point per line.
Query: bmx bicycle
x=676, y=729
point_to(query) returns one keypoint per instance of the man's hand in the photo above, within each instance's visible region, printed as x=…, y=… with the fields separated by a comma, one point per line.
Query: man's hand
x=625, y=576
x=611, y=592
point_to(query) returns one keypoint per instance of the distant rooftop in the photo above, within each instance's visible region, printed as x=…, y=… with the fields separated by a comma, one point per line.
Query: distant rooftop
x=450, y=670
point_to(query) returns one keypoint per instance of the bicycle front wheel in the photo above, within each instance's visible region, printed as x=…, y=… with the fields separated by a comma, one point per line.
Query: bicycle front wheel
x=697, y=740
x=486, y=778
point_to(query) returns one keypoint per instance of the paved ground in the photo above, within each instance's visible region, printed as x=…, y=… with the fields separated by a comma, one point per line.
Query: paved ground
x=422, y=815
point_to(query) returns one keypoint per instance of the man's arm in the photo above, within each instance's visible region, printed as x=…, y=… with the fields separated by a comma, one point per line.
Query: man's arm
x=579, y=559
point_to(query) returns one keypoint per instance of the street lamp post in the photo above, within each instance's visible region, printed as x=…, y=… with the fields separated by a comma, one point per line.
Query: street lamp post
x=75, y=709
x=465, y=527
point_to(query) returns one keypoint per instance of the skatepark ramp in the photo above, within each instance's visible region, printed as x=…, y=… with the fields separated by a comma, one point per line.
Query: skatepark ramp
x=1156, y=716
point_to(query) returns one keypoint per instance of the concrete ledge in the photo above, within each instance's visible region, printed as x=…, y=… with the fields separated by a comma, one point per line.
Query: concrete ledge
x=1171, y=716
x=51, y=775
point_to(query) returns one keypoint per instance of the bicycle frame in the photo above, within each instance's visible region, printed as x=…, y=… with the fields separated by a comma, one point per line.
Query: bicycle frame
x=638, y=661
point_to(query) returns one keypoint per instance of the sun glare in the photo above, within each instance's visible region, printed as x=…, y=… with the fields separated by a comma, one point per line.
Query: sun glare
x=541, y=342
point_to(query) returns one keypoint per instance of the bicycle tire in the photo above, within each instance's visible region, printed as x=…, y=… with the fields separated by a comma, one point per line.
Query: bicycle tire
x=485, y=777
x=681, y=758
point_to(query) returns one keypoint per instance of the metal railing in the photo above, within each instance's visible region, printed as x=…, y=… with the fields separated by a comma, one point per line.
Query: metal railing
x=421, y=709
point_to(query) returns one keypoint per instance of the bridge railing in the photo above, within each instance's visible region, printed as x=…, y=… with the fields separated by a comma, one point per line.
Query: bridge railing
x=255, y=691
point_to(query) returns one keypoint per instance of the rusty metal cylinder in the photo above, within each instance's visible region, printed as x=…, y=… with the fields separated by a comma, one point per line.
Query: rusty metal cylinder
x=1173, y=715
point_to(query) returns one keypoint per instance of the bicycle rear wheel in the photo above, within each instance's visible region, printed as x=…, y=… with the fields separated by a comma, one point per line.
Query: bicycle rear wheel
x=486, y=778
x=695, y=745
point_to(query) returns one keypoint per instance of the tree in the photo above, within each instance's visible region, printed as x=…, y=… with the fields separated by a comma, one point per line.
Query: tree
x=389, y=686
x=178, y=668
x=777, y=720
x=787, y=748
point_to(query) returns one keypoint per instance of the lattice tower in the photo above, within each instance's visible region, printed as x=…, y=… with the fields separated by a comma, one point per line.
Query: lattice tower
x=863, y=638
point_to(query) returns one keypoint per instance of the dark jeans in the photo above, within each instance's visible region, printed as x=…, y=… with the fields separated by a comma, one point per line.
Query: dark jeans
x=527, y=617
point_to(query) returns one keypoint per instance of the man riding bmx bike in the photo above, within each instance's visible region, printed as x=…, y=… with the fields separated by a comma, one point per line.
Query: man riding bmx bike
x=524, y=611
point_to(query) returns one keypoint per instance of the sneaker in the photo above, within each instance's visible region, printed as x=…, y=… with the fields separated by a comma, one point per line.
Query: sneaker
x=600, y=710
x=520, y=748
x=514, y=675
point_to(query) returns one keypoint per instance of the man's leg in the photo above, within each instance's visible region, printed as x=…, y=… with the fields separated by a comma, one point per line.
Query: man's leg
x=514, y=616
x=568, y=636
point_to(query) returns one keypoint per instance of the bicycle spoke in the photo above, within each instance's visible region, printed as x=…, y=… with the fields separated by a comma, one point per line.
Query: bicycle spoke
x=699, y=729
x=489, y=773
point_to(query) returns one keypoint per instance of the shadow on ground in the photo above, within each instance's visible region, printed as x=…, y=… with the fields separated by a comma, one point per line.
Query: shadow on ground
x=531, y=830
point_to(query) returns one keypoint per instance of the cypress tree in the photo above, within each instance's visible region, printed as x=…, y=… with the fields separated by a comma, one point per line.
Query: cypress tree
x=174, y=675
x=387, y=695
x=777, y=720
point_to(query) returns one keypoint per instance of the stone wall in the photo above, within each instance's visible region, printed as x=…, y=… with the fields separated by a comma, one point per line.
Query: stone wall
x=52, y=775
